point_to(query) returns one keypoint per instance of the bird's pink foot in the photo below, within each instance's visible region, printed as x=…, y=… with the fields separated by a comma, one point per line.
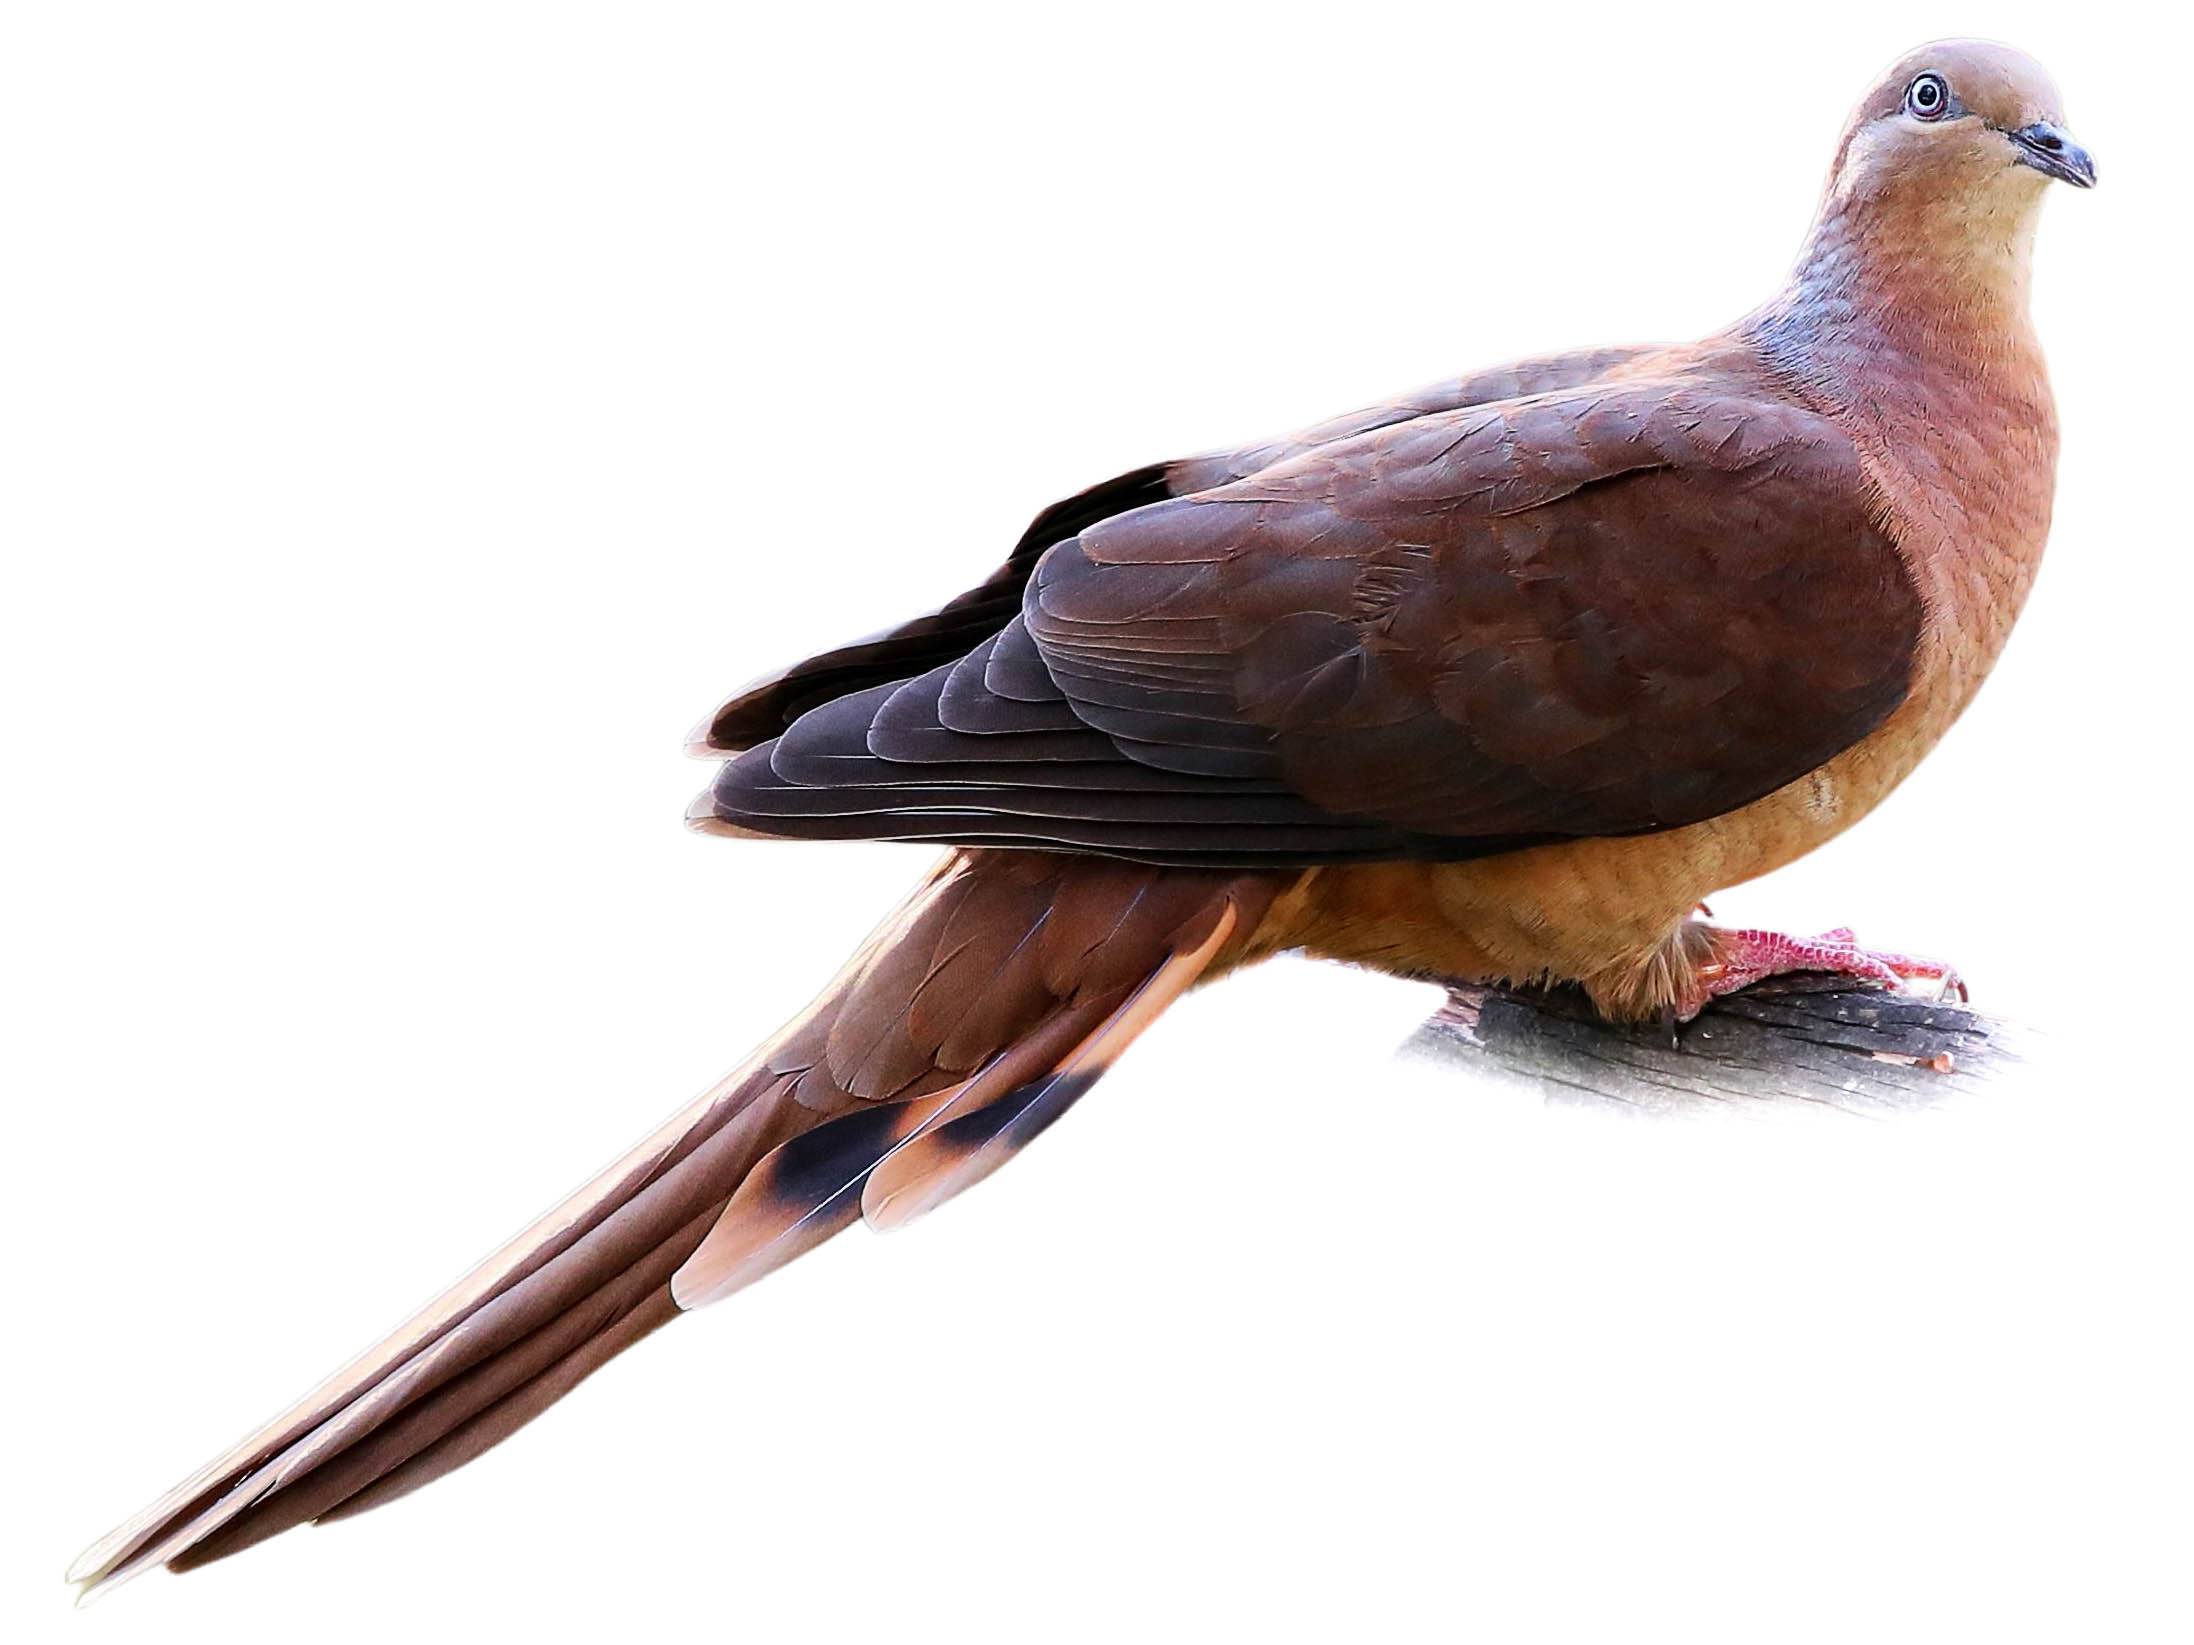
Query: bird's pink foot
x=1742, y=958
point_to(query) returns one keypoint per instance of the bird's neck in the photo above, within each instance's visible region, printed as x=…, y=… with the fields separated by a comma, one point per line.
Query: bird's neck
x=1897, y=302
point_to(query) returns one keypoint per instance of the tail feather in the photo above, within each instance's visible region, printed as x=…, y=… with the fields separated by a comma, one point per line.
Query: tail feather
x=496, y=1424
x=812, y=1187
x=201, y=1502
x=468, y=1414
x=949, y=1158
x=806, y=1191
x=582, y=1257
x=972, y=1018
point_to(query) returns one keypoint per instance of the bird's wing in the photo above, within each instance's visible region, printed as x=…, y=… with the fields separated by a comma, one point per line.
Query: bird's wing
x=763, y=709
x=1606, y=611
x=766, y=707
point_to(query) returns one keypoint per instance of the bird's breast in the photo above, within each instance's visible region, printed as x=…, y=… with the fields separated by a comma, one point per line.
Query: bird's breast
x=1966, y=469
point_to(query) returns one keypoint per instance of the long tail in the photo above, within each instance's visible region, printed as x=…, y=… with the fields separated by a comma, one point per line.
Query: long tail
x=967, y=1023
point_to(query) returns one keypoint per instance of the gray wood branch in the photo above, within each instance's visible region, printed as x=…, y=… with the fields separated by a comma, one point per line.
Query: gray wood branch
x=1806, y=1040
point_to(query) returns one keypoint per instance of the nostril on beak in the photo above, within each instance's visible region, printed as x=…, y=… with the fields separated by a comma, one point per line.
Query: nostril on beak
x=2049, y=151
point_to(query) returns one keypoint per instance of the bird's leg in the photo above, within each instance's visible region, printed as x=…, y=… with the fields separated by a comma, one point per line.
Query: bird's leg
x=1464, y=1005
x=1741, y=958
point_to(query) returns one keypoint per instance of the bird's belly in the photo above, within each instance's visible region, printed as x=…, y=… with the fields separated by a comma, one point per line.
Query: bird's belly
x=1589, y=908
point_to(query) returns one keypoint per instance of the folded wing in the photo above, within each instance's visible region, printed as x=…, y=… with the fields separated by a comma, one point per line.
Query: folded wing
x=1621, y=608
x=775, y=701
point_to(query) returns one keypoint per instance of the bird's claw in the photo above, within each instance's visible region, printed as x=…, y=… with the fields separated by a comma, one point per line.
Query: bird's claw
x=1745, y=957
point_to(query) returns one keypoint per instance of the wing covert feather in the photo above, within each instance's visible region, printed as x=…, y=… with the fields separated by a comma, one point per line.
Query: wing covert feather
x=767, y=706
x=1599, y=613
x=1600, y=610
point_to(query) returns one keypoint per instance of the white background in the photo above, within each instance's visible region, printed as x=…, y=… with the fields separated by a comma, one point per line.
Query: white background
x=416, y=416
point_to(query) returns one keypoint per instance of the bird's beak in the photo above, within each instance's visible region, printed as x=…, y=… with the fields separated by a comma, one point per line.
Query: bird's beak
x=2053, y=153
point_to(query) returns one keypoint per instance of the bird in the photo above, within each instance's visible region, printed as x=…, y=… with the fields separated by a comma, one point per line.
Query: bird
x=1497, y=681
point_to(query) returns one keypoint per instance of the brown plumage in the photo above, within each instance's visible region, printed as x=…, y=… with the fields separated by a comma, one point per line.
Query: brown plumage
x=1496, y=681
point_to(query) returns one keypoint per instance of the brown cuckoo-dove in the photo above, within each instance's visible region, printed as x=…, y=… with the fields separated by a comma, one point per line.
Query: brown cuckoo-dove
x=1496, y=681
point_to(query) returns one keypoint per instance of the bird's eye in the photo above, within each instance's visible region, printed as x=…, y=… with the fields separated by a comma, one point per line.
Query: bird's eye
x=1927, y=97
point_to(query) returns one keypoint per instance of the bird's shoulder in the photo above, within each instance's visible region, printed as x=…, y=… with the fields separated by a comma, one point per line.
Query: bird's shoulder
x=1702, y=446
x=1702, y=413
x=1510, y=380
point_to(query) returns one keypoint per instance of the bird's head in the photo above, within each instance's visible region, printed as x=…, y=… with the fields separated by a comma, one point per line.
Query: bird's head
x=1928, y=219
x=1968, y=131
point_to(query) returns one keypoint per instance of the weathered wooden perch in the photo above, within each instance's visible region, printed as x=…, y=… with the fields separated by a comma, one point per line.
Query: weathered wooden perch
x=1808, y=1039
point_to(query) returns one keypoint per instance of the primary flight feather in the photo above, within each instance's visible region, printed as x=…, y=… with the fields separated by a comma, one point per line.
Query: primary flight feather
x=1496, y=682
